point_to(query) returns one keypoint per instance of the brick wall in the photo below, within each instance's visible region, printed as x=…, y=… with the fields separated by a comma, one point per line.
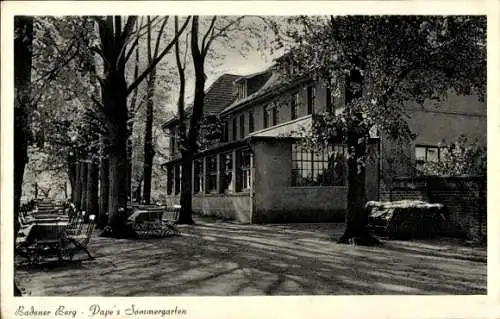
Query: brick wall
x=463, y=197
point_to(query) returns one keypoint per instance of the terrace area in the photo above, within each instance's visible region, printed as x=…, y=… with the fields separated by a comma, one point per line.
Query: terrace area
x=220, y=258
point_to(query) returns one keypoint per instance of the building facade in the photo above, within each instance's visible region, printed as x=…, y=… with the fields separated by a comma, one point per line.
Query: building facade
x=254, y=169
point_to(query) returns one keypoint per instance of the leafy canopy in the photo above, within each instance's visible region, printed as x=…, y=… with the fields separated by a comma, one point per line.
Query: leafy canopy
x=399, y=58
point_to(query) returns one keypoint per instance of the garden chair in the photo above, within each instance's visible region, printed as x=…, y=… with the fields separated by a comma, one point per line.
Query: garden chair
x=79, y=242
x=76, y=223
x=169, y=218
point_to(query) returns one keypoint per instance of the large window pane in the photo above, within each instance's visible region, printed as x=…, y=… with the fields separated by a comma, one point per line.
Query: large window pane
x=212, y=174
x=420, y=153
x=243, y=170
x=170, y=180
x=425, y=154
x=227, y=171
x=198, y=177
x=177, y=179
x=320, y=167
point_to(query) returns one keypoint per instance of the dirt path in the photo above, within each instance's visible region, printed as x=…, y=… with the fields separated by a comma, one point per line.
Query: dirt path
x=220, y=259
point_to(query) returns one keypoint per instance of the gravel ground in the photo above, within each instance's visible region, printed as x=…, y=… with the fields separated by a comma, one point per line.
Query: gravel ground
x=215, y=258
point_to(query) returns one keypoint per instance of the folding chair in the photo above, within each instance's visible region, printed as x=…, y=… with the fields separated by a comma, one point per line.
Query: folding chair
x=79, y=242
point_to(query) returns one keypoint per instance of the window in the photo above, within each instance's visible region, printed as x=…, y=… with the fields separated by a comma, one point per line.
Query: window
x=227, y=171
x=320, y=167
x=243, y=170
x=294, y=103
x=171, y=145
x=242, y=90
x=276, y=115
x=198, y=176
x=211, y=174
x=311, y=98
x=177, y=179
x=170, y=179
x=225, y=132
x=266, y=116
x=242, y=125
x=250, y=122
x=425, y=154
x=235, y=132
x=329, y=100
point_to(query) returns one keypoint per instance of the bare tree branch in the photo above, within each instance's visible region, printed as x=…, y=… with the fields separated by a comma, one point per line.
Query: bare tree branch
x=138, y=33
x=157, y=59
x=209, y=32
x=182, y=88
x=141, y=103
x=148, y=39
x=136, y=73
x=220, y=32
x=158, y=38
x=127, y=30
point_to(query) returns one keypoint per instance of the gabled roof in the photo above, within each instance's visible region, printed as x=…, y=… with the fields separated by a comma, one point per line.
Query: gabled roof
x=217, y=97
x=220, y=94
x=220, y=97
x=271, y=82
x=274, y=84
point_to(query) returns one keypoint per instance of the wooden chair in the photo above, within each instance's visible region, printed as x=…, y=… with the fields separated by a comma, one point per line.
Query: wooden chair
x=74, y=243
x=156, y=222
x=169, y=218
x=75, y=225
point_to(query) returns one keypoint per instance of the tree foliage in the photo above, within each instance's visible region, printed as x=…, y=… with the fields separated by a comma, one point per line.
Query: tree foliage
x=380, y=64
x=61, y=95
x=458, y=158
x=400, y=59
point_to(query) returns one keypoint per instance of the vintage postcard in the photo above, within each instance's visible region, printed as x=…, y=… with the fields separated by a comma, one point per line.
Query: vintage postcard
x=249, y=159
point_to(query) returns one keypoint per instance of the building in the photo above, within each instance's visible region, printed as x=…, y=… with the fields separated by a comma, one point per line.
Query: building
x=254, y=170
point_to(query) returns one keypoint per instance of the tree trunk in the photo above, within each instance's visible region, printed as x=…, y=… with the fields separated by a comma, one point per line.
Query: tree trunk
x=102, y=219
x=23, y=56
x=356, y=231
x=115, y=99
x=72, y=178
x=92, y=197
x=185, y=216
x=78, y=185
x=132, y=111
x=129, y=166
x=83, y=185
x=148, y=139
x=138, y=192
x=117, y=203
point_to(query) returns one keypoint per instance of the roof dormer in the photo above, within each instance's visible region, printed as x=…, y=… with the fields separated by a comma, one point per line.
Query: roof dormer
x=241, y=89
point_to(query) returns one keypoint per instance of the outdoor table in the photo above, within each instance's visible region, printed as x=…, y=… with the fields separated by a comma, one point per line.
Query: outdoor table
x=42, y=230
x=145, y=215
x=49, y=219
x=41, y=236
x=147, y=223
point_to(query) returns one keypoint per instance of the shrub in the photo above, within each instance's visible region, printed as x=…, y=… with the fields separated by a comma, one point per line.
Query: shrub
x=462, y=157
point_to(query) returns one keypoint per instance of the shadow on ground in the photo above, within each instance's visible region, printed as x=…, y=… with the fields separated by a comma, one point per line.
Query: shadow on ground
x=221, y=258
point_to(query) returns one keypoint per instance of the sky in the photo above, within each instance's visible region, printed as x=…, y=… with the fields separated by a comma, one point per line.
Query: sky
x=230, y=60
x=233, y=63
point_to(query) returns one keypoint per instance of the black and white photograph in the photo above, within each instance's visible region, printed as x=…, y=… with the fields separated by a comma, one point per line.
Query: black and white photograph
x=245, y=155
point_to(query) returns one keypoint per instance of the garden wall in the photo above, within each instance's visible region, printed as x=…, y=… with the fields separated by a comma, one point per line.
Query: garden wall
x=464, y=198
